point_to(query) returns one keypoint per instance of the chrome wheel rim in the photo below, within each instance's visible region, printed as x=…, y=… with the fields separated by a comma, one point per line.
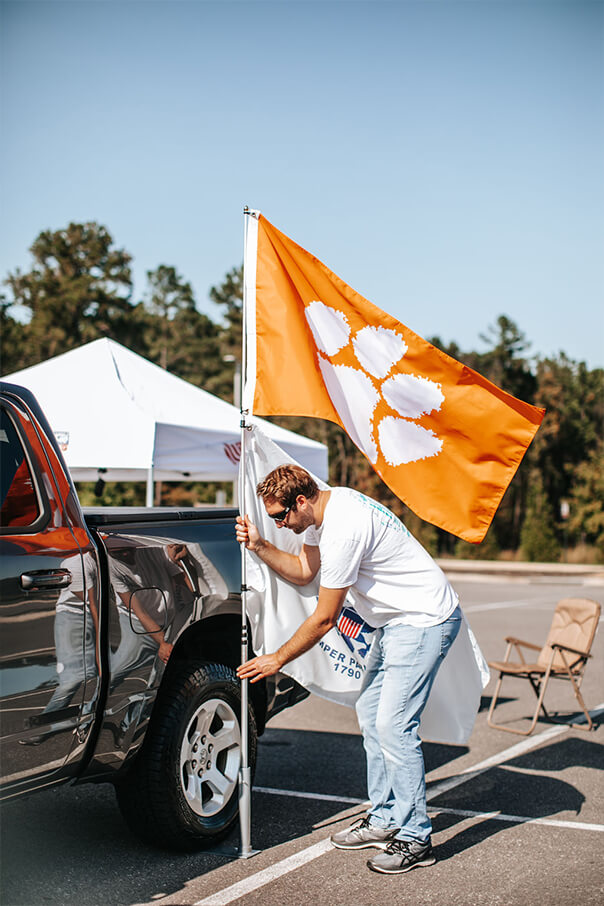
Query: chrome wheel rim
x=210, y=756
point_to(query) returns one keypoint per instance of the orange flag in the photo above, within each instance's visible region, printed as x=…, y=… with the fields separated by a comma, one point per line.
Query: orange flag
x=445, y=439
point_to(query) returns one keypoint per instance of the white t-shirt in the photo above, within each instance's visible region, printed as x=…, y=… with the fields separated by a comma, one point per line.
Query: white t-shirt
x=394, y=580
x=83, y=581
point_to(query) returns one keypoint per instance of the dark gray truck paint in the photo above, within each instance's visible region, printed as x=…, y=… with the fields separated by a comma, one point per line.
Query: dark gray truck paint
x=89, y=602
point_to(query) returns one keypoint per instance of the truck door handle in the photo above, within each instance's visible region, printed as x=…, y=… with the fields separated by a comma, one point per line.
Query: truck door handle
x=41, y=578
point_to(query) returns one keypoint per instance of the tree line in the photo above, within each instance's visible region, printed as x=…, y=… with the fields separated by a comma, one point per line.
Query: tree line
x=79, y=288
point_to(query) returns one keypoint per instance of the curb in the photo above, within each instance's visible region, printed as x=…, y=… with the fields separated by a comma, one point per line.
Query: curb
x=582, y=573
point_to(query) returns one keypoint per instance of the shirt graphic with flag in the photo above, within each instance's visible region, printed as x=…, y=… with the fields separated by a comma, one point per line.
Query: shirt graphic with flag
x=354, y=629
x=445, y=439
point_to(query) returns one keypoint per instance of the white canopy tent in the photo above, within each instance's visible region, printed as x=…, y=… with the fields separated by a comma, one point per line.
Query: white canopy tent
x=122, y=418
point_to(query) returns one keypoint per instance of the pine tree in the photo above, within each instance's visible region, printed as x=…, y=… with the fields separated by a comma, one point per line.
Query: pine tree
x=77, y=290
x=586, y=505
x=538, y=540
x=12, y=334
x=229, y=296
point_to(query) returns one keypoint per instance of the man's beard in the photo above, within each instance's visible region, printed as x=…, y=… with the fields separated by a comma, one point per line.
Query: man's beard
x=298, y=529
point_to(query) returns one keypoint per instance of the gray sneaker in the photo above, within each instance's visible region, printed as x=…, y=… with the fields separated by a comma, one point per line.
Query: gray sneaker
x=401, y=856
x=363, y=836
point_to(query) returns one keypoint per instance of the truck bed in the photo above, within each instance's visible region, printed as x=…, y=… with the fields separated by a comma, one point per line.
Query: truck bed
x=125, y=515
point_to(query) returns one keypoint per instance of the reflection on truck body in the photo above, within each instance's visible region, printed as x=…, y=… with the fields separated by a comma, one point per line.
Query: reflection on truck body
x=159, y=586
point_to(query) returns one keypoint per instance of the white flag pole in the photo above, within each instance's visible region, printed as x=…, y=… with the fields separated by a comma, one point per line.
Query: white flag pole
x=245, y=774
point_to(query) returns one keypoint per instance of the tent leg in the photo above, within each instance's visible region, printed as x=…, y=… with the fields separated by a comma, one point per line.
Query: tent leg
x=149, y=501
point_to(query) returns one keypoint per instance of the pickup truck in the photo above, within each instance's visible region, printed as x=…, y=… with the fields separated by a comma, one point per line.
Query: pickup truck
x=120, y=635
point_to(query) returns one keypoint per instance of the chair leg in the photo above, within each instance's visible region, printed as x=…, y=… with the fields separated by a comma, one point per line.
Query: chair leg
x=540, y=697
x=590, y=723
x=494, y=700
x=497, y=726
x=539, y=688
x=579, y=697
x=536, y=684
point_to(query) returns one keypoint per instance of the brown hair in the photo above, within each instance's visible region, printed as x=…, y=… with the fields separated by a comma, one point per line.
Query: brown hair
x=285, y=483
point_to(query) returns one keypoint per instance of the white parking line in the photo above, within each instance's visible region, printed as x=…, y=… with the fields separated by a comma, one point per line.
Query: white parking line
x=346, y=800
x=247, y=885
x=440, y=810
x=260, y=878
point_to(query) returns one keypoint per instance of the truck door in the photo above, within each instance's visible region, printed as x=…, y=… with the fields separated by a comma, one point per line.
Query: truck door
x=46, y=646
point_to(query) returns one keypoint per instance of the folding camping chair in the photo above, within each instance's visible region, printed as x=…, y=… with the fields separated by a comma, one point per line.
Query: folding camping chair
x=564, y=656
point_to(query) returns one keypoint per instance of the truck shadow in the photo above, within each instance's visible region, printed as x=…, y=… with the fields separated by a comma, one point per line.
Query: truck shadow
x=71, y=846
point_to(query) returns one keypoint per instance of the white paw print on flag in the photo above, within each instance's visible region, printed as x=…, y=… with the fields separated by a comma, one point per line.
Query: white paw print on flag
x=355, y=395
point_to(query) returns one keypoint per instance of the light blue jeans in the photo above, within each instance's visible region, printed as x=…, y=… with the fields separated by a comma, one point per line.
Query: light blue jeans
x=403, y=663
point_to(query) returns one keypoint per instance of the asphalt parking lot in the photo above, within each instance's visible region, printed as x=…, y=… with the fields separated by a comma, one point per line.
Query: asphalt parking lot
x=517, y=821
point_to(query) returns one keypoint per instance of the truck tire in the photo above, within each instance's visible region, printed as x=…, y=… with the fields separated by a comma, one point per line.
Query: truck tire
x=182, y=791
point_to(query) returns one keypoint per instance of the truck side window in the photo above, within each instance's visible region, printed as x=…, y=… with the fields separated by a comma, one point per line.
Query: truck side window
x=19, y=506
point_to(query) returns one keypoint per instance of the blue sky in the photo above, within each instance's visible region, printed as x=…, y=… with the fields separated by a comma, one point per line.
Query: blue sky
x=444, y=158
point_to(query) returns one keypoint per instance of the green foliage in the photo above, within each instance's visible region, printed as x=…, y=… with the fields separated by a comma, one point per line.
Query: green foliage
x=115, y=493
x=12, y=335
x=574, y=399
x=168, y=296
x=538, y=540
x=586, y=516
x=168, y=293
x=134, y=493
x=504, y=363
x=229, y=296
x=192, y=493
x=77, y=290
x=176, y=335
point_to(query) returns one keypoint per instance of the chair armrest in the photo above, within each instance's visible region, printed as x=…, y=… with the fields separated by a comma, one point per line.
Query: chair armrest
x=512, y=641
x=572, y=650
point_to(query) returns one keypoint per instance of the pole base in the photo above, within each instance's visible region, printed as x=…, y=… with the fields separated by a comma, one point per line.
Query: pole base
x=248, y=854
x=232, y=851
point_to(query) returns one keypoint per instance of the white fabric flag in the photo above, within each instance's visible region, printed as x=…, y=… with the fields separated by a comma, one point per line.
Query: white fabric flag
x=334, y=668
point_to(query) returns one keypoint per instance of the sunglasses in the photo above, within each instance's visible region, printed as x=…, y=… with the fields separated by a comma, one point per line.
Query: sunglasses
x=280, y=516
